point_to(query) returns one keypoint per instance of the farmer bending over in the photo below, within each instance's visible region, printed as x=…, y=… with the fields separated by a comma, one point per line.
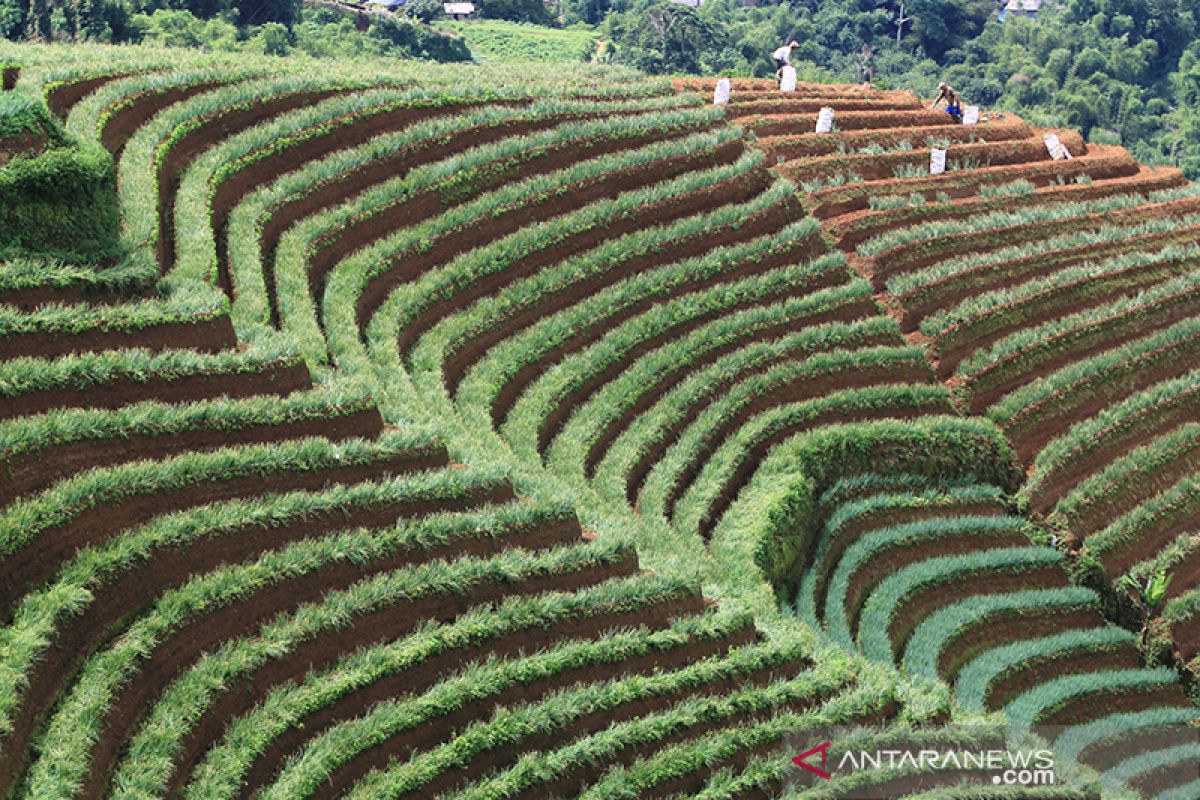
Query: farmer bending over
x=783, y=55
x=947, y=93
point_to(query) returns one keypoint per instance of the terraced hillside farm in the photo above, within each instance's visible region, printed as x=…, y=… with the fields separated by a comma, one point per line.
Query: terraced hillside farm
x=519, y=433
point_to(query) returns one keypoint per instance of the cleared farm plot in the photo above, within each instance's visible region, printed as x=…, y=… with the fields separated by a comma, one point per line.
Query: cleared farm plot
x=432, y=440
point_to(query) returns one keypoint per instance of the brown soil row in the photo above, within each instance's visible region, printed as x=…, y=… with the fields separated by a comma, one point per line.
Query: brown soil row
x=557, y=415
x=782, y=104
x=801, y=388
x=964, y=338
x=63, y=97
x=38, y=468
x=1100, y=163
x=213, y=128
x=1037, y=672
x=137, y=111
x=495, y=760
x=119, y=598
x=278, y=379
x=41, y=557
x=33, y=297
x=754, y=455
x=924, y=600
x=410, y=266
x=759, y=224
x=26, y=145
x=332, y=246
x=670, y=377
x=1118, y=440
x=854, y=229
x=652, y=452
x=1032, y=428
x=1134, y=487
x=1154, y=782
x=335, y=190
x=953, y=289
x=328, y=137
x=1001, y=628
x=769, y=86
x=593, y=623
x=1187, y=639
x=886, y=517
x=1118, y=329
x=1090, y=706
x=881, y=167
x=913, y=256
x=794, y=124
x=815, y=145
x=206, y=335
x=1129, y=743
x=9, y=77
x=241, y=693
x=883, y=563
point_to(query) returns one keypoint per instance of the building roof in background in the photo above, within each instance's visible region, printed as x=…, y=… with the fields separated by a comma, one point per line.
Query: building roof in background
x=459, y=8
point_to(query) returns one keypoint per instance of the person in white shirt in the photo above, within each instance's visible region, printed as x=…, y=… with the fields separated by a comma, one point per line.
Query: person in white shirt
x=783, y=55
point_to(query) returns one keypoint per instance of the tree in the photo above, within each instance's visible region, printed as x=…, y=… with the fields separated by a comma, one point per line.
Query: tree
x=664, y=38
x=533, y=11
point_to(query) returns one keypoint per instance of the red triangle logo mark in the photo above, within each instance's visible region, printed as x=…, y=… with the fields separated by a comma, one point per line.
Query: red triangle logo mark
x=802, y=760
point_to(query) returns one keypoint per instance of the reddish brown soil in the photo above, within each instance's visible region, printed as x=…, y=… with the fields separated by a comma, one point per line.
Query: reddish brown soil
x=30, y=298
x=998, y=629
x=410, y=266
x=926, y=599
x=795, y=124
x=9, y=77
x=1034, y=426
x=1184, y=575
x=468, y=351
x=949, y=291
x=264, y=169
x=798, y=390
x=854, y=229
x=1037, y=672
x=322, y=651
x=501, y=758
x=885, y=518
x=279, y=379
x=1156, y=781
x=208, y=335
x=217, y=126
x=1187, y=639
x=37, y=469
x=1093, y=338
x=121, y=126
x=771, y=106
x=882, y=564
x=592, y=623
x=1133, y=432
x=757, y=452
x=25, y=144
x=120, y=598
x=651, y=452
x=558, y=414
x=815, y=145
x=1100, y=163
x=39, y=558
x=959, y=341
x=63, y=97
x=1090, y=706
x=1130, y=743
x=669, y=378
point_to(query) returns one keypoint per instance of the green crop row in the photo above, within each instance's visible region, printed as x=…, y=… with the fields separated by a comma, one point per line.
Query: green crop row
x=878, y=614
x=69, y=594
x=1114, y=424
x=986, y=267
x=224, y=766
x=1073, y=742
x=852, y=489
x=1042, y=701
x=1168, y=510
x=935, y=635
x=1022, y=351
x=975, y=681
x=33, y=272
x=1112, y=371
x=72, y=730
x=21, y=115
x=940, y=230
x=1089, y=281
x=25, y=521
x=553, y=387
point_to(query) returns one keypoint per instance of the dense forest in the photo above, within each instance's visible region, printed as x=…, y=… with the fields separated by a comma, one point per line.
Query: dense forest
x=1122, y=71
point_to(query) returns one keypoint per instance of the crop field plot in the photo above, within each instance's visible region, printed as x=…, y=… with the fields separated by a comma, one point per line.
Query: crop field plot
x=552, y=432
